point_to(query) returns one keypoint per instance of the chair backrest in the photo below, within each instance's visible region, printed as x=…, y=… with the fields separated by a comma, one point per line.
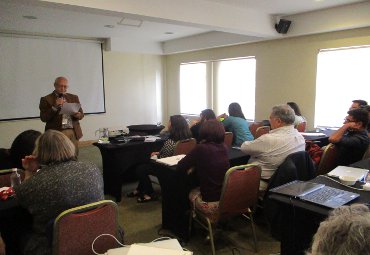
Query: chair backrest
x=184, y=146
x=5, y=177
x=253, y=127
x=239, y=190
x=228, y=140
x=367, y=153
x=329, y=159
x=75, y=229
x=261, y=131
x=296, y=166
x=301, y=127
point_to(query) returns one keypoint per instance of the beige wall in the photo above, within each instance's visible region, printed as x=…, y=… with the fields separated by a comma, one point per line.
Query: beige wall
x=286, y=68
x=132, y=84
x=286, y=71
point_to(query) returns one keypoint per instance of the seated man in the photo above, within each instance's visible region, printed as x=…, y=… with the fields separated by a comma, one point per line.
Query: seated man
x=352, y=139
x=357, y=104
x=270, y=150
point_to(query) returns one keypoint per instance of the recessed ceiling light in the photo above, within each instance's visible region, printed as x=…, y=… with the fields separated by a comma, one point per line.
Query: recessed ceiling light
x=109, y=26
x=168, y=33
x=130, y=22
x=29, y=17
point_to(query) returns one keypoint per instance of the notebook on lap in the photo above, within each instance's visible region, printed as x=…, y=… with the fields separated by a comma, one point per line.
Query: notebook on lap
x=316, y=193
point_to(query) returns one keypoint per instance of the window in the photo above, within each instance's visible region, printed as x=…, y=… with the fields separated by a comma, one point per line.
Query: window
x=236, y=82
x=216, y=84
x=193, y=87
x=342, y=76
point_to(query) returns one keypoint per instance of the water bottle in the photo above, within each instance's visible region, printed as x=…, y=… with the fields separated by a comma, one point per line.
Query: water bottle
x=15, y=178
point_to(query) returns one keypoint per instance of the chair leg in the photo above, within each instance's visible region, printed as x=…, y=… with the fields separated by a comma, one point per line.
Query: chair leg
x=211, y=237
x=190, y=221
x=250, y=217
x=254, y=232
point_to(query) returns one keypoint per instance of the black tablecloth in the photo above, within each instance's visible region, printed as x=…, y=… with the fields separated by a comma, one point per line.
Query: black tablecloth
x=175, y=188
x=301, y=219
x=15, y=222
x=120, y=158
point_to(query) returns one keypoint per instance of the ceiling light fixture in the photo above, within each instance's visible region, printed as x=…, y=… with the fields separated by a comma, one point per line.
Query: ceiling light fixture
x=29, y=17
x=109, y=26
x=130, y=22
x=168, y=33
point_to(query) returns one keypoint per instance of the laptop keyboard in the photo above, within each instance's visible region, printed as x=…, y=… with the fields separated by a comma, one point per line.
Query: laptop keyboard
x=324, y=194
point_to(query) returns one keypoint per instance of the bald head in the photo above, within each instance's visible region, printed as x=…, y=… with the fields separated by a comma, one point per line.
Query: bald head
x=61, y=85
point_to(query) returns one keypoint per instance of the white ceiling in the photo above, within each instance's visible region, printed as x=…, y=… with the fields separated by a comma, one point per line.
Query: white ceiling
x=169, y=26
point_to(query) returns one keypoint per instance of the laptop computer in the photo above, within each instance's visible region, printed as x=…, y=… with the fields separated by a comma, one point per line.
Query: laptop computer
x=358, y=173
x=316, y=193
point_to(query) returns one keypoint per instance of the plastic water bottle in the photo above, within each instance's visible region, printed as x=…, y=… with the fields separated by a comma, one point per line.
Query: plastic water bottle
x=15, y=178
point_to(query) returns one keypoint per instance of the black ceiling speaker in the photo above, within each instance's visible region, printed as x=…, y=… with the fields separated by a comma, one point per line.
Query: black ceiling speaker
x=283, y=26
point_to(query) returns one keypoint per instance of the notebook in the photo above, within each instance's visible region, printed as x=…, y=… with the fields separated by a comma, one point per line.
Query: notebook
x=316, y=193
x=171, y=161
x=358, y=173
x=171, y=245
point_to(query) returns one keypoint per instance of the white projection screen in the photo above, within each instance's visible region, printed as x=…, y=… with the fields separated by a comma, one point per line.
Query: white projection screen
x=29, y=66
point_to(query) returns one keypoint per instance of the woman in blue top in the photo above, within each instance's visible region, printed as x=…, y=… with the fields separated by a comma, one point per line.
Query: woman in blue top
x=237, y=124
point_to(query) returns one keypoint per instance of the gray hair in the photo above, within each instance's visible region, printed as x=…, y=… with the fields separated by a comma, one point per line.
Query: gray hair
x=54, y=147
x=284, y=112
x=345, y=232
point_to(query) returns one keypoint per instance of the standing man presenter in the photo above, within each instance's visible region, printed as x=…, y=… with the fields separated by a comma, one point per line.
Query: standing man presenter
x=50, y=107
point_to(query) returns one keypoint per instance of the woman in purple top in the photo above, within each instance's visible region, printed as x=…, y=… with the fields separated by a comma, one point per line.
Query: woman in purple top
x=210, y=162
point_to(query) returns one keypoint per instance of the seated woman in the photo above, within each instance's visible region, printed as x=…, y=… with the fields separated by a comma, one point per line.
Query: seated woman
x=237, y=124
x=22, y=146
x=298, y=116
x=210, y=162
x=205, y=115
x=54, y=182
x=178, y=130
x=345, y=231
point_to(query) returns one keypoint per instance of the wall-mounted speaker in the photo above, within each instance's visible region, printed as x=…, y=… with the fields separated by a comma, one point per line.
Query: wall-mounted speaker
x=283, y=26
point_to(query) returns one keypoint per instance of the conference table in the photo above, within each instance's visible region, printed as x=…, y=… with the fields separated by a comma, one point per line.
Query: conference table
x=121, y=158
x=14, y=221
x=300, y=220
x=321, y=137
x=175, y=188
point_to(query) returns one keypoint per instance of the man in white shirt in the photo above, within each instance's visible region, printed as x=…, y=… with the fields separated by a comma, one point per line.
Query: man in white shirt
x=270, y=150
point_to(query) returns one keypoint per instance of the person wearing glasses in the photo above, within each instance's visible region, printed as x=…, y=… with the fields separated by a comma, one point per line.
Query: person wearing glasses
x=50, y=107
x=352, y=138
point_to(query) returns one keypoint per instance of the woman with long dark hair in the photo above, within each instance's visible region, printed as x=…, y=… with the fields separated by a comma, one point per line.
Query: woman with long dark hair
x=205, y=115
x=298, y=115
x=178, y=130
x=237, y=124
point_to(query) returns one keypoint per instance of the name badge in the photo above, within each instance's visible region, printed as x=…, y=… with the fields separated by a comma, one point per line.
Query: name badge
x=64, y=121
